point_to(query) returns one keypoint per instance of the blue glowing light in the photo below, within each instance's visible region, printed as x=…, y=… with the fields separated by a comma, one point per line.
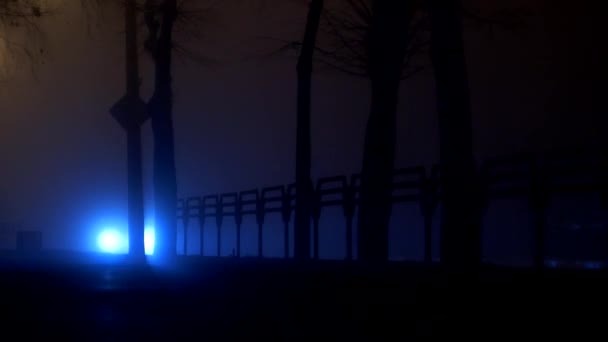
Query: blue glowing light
x=110, y=241
x=593, y=265
x=149, y=240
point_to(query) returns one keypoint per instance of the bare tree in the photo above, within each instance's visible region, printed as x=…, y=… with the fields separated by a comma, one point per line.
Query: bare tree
x=346, y=29
x=461, y=216
x=377, y=40
x=384, y=43
x=303, y=180
x=20, y=34
x=306, y=49
x=461, y=223
x=131, y=114
x=161, y=17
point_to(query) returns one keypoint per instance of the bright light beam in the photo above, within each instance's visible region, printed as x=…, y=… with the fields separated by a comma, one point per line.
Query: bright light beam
x=110, y=241
x=149, y=240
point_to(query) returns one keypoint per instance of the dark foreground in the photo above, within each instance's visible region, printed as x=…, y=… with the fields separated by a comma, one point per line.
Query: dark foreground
x=233, y=299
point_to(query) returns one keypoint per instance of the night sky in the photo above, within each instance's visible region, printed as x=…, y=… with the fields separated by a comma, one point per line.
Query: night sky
x=63, y=158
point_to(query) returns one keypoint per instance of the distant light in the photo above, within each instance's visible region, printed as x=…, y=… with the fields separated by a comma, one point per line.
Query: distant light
x=149, y=240
x=593, y=265
x=110, y=241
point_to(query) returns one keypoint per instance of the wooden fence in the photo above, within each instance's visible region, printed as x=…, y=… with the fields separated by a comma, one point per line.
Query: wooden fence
x=533, y=178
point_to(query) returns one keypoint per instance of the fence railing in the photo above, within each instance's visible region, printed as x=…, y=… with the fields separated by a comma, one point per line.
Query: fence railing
x=528, y=177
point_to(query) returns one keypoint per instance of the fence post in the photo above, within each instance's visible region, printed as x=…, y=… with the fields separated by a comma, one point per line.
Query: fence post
x=427, y=204
x=604, y=179
x=238, y=219
x=539, y=198
x=202, y=235
x=219, y=219
x=316, y=216
x=185, y=216
x=350, y=192
x=604, y=185
x=286, y=215
x=260, y=222
x=201, y=228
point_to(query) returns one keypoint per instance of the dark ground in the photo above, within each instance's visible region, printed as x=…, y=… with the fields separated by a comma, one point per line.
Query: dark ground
x=231, y=299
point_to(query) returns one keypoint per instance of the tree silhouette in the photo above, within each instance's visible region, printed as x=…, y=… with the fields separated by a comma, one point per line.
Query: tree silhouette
x=461, y=216
x=461, y=219
x=160, y=19
x=377, y=40
x=303, y=179
x=130, y=112
x=383, y=42
x=346, y=30
x=20, y=32
x=388, y=42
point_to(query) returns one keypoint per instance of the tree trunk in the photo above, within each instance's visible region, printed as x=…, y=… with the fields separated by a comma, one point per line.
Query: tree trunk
x=161, y=112
x=461, y=213
x=388, y=41
x=130, y=113
x=303, y=181
x=376, y=176
x=136, y=191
